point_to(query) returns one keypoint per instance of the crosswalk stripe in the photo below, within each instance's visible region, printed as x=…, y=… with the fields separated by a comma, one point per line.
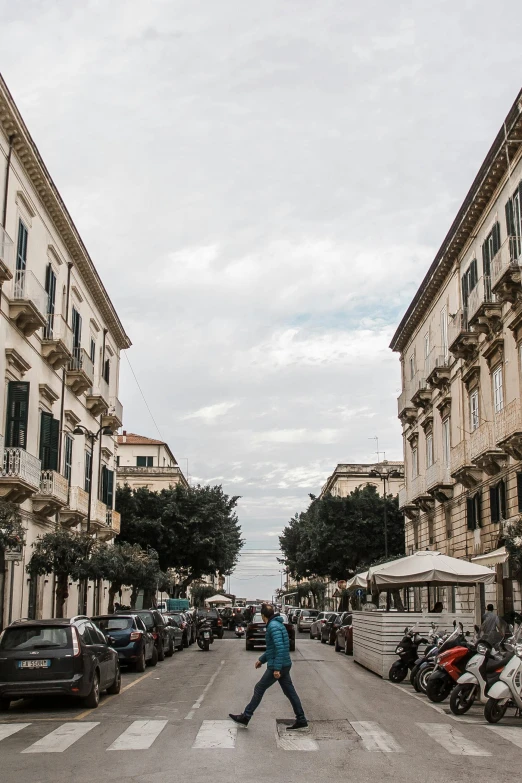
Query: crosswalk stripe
x=375, y=738
x=509, y=733
x=8, y=729
x=139, y=736
x=295, y=741
x=452, y=740
x=216, y=734
x=61, y=738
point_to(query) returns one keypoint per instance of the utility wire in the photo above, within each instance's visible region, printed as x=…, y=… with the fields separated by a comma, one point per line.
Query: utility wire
x=144, y=399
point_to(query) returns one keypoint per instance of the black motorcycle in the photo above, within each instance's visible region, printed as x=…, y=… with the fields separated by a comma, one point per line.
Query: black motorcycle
x=205, y=637
x=407, y=651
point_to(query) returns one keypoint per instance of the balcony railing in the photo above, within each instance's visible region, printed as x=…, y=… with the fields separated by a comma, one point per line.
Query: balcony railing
x=457, y=325
x=100, y=388
x=27, y=288
x=481, y=440
x=6, y=250
x=113, y=520
x=505, y=259
x=79, y=500
x=437, y=474
x=402, y=497
x=53, y=484
x=171, y=470
x=116, y=409
x=480, y=294
x=508, y=421
x=459, y=456
x=56, y=329
x=99, y=512
x=418, y=487
x=82, y=361
x=18, y=463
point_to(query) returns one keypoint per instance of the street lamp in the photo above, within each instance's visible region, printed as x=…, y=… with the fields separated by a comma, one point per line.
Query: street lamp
x=92, y=437
x=385, y=475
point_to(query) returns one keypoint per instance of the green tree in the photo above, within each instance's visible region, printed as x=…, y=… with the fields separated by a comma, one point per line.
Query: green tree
x=199, y=594
x=513, y=539
x=126, y=565
x=63, y=554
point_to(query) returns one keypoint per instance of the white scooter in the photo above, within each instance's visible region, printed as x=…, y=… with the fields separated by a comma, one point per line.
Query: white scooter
x=481, y=672
x=507, y=692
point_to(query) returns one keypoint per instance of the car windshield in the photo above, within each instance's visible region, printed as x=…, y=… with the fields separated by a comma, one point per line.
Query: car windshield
x=309, y=613
x=257, y=618
x=34, y=638
x=113, y=623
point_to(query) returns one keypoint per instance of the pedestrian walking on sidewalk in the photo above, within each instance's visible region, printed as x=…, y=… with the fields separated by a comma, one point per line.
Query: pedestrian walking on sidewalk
x=279, y=663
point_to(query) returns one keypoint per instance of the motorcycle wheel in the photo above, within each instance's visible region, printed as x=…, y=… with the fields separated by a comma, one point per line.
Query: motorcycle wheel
x=200, y=644
x=421, y=682
x=398, y=672
x=462, y=698
x=439, y=687
x=413, y=675
x=495, y=710
x=206, y=645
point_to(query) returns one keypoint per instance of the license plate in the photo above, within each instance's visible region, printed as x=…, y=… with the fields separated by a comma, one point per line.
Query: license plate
x=206, y=635
x=40, y=664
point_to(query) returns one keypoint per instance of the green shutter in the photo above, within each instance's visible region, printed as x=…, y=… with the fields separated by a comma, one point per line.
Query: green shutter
x=493, y=504
x=486, y=260
x=46, y=420
x=510, y=224
x=55, y=444
x=17, y=414
x=502, y=499
x=470, y=513
x=21, y=254
x=478, y=509
x=110, y=488
x=496, y=238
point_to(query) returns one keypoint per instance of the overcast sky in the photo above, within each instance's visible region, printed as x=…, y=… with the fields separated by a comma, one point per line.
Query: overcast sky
x=262, y=186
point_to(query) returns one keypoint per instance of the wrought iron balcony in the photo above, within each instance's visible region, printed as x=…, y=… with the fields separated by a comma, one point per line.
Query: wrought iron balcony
x=483, y=450
x=437, y=370
x=406, y=412
x=97, y=399
x=80, y=372
x=19, y=474
x=508, y=429
x=52, y=494
x=405, y=504
x=113, y=525
x=57, y=342
x=421, y=393
x=77, y=507
x=6, y=256
x=463, y=341
x=484, y=311
x=506, y=272
x=439, y=483
x=28, y=302
x=114, y=416
x=461, y=467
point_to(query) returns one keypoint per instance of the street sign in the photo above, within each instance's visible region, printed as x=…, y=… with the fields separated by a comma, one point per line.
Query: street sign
x=12, y=554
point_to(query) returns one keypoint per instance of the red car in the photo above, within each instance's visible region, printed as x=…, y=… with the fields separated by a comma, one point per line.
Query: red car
x=256, y=632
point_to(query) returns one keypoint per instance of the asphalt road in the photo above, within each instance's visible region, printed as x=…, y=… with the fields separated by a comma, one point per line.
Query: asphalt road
x=170, y=724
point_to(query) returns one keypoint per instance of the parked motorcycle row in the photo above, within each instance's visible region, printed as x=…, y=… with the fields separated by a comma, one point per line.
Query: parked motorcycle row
x=467, y=671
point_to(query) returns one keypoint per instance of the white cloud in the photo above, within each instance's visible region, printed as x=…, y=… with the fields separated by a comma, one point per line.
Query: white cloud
x=211, y=412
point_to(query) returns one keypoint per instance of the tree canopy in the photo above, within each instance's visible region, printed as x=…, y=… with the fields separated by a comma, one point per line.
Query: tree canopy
x=335, y=537
x=194, y=530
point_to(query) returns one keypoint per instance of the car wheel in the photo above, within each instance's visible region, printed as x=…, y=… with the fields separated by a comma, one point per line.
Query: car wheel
x=170, y=651
x=180, y=646
x=140, y=664
x=116, y=685
x=220, y=634
x=248, y=646
x=337, y=646
x=153, y=661
x=311, y=637
x=93, y=698
x=323, y=640
x=292, y=646
x=185, y=640
x=161, y=651
x=5, y=704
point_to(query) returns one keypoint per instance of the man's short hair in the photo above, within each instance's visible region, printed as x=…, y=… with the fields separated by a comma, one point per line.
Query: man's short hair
x=490, y=608
x=267, y=610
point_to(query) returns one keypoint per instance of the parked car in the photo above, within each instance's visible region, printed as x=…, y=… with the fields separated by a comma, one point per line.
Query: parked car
x=315, y=628
x=331, y=626
x=57, y=657
x=131, y=640
x=295, y=616
x=256, y=632
x=180, y=619
x=212, y=616
x=306, y=619
x=344, y=637
x=156, y=625
x=176, y=635
x=190, y=617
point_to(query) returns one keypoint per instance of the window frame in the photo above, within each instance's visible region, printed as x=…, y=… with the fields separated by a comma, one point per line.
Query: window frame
x=498, y=389
x=446, y=441
x=474, y=414
x=430, y=457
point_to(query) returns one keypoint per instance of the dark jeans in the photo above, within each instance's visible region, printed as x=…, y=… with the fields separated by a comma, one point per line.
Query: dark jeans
x=287, y=686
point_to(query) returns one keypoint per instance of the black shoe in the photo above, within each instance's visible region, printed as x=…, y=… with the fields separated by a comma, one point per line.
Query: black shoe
x=241, y=719
x=299, y=724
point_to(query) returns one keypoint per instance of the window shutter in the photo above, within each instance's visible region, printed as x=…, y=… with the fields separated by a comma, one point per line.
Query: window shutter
x=510, y=223
x=473, y=274
x=464, y=290
x=470, y=513
x=55, y=444
x=478, y=509
x=21, y=255
x=502, y=499
x=110, y=488
x=519, y=490
x=17, y=413
x=49, y=436
x=486, y=261
x=496, y=238
x=493, y=504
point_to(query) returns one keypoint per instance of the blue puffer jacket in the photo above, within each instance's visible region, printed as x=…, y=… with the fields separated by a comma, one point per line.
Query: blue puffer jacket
x=277, y=655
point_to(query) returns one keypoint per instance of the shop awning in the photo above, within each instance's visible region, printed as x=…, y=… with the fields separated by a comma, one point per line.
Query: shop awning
x=218, y=599
x=358, y=582
x=497, y=557
x=429, y=567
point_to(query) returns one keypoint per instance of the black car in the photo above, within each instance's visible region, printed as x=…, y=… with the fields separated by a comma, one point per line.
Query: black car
x=131, y=640
x=212, y=616
x=157, y=626
x=181, y=621
x=57, y=657
x=175, y=635
x=331, y=626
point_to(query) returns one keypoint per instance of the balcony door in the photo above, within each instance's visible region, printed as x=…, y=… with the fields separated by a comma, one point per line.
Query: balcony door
x=17, y=414
x=49, y=441
x=21, y=260
x=77, y=334
x=50, y=287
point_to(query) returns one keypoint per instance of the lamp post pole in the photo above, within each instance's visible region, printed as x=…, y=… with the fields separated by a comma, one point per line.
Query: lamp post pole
x=384, y=477
x=92, y=438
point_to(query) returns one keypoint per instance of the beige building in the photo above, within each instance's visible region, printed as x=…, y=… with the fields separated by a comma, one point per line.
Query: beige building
x=460, y=344
x=346, y=478
x=60, y=343
x=145, y=462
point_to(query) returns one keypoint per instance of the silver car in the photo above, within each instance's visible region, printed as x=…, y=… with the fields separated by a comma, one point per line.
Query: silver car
x=305, y=619
x=318, y=622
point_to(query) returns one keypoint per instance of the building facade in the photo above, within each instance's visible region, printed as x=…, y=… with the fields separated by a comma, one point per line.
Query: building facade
x=460, y=344
x=145, y=462
x=60, y=343
x=347, y=477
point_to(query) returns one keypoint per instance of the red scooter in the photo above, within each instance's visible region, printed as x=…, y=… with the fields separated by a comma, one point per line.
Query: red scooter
x=449, y=666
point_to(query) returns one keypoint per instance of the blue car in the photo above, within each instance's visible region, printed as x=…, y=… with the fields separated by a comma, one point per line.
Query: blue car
x=129, y=638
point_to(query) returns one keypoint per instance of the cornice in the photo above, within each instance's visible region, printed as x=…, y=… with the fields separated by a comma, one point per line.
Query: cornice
x=27, y=153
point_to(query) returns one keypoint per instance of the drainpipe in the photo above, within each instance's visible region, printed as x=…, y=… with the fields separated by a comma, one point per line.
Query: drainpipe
x=6, y=181
x=62, y=402
x=102, y=371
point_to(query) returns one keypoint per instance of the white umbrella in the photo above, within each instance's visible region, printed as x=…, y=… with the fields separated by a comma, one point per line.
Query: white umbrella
x=429, y=567
x=358, y=582
x=218, y=599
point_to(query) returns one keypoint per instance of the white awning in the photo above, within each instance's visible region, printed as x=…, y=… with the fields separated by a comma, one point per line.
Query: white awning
x=358, y=582
x=429, y=568
x=218, y=599
x=497, y=557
